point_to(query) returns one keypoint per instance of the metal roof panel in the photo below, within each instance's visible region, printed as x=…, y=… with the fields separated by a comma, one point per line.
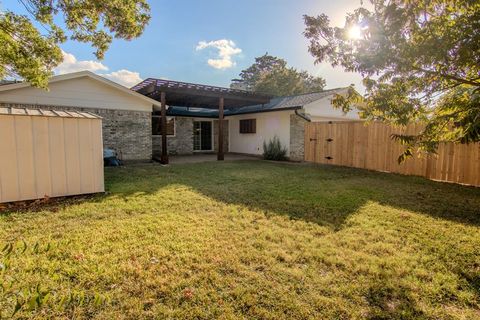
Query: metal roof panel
x=46, y=113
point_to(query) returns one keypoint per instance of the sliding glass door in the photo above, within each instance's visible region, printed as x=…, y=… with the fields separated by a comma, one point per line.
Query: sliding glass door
x=202, y=136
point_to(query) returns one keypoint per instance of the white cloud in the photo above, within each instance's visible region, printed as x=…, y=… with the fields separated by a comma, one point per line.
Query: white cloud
x=124, y=77
x=226, y=50
x=70, y=64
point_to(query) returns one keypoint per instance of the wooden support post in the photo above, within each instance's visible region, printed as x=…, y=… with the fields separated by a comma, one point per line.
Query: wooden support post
x=164, y=158
x=220, y=155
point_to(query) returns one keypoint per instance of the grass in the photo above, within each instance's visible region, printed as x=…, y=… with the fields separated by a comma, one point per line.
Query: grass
x=254, y=240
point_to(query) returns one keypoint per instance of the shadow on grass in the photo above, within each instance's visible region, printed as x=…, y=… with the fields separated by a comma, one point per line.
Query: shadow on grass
x=392, y=302
x=322, y=194
x=325, y=195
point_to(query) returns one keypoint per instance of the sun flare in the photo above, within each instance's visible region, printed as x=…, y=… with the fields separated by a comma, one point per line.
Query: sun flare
x=355, y=33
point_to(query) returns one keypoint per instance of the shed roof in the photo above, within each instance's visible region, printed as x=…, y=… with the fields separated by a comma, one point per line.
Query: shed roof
x=46, y=113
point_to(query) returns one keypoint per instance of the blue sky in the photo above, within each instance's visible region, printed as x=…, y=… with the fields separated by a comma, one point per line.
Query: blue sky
x=169, y=46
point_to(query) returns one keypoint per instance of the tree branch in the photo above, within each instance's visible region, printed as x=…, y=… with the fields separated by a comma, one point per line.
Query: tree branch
x=448, y=76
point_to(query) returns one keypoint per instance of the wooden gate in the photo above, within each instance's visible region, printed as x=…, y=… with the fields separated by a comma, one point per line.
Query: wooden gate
x=355, y=144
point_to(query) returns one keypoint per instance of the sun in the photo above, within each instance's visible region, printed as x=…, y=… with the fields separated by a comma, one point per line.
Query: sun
x=355, y=33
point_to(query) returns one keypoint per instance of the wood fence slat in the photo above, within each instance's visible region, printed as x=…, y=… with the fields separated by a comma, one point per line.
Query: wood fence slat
x=355, y=144
x=477, y=162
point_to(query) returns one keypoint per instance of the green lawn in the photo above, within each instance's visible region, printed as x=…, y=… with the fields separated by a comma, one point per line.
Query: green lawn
x=251, y=240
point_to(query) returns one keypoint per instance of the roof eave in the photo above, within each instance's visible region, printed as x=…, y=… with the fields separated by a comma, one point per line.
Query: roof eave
x=266, y=110
x=80, y=74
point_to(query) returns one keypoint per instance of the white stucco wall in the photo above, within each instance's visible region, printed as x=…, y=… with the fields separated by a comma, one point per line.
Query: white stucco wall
x=322, y=110
x=269, y=124
x=78, y=92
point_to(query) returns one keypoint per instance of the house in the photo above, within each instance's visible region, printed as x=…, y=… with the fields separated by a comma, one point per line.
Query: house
x=132, y=122
x=192, y=121
x=126, y=114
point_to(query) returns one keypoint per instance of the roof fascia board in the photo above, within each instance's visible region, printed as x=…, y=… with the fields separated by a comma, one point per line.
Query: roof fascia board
x=262, y=111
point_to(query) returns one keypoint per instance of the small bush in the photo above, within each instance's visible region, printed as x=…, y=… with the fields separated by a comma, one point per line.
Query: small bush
x=273, y=150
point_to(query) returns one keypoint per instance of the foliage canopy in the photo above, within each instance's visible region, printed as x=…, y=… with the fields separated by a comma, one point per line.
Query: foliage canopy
x=30, y=43
x=420, y=61
x=271, y=75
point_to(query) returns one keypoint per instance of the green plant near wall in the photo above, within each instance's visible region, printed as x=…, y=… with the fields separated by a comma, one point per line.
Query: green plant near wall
x=273, y=150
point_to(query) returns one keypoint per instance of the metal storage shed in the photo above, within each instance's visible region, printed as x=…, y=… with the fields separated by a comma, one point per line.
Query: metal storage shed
x=49, y=153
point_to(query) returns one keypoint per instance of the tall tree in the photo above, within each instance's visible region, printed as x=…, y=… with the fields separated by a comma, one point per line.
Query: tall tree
x=420, y=61
x=271, y=75
x=30, y=43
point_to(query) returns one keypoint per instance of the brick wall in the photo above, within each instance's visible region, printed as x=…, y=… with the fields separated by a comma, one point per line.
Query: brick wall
x=182, y=142
x=297, y=139
x=127, y=132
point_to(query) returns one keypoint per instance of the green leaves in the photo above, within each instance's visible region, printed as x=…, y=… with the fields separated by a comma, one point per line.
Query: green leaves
x=7, y=249
x=274, y=150
x=420, y=61
x=32, y=53
x=25, y=52
x=35, y=296
x=345, y=102
x=270, y=75
x=30, y=300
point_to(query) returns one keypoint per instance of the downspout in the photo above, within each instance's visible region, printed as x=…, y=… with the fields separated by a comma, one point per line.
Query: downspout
x=302, y=115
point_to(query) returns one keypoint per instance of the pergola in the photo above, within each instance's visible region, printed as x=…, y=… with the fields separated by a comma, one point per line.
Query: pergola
x=175, y=93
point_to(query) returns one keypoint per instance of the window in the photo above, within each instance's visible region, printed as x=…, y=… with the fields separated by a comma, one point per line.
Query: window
x=248, y=126
x=157, y=126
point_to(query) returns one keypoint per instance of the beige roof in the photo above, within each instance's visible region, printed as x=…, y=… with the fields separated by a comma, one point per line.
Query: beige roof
x=74, y=75
x=47, y=113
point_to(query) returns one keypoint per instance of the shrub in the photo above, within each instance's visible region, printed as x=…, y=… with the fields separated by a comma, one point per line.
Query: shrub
x=273, y=150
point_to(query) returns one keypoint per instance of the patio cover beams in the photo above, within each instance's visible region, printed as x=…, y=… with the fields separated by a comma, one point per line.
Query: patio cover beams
x=184, y=94
x=164, y=157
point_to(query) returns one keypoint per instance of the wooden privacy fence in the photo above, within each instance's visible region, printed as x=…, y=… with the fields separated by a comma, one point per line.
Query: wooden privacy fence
x=355, y=144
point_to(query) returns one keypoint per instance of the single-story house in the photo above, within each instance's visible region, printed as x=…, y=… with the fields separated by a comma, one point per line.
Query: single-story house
x=126, y=114
x=193, y=114
x=132, y=117
x=246, y=128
